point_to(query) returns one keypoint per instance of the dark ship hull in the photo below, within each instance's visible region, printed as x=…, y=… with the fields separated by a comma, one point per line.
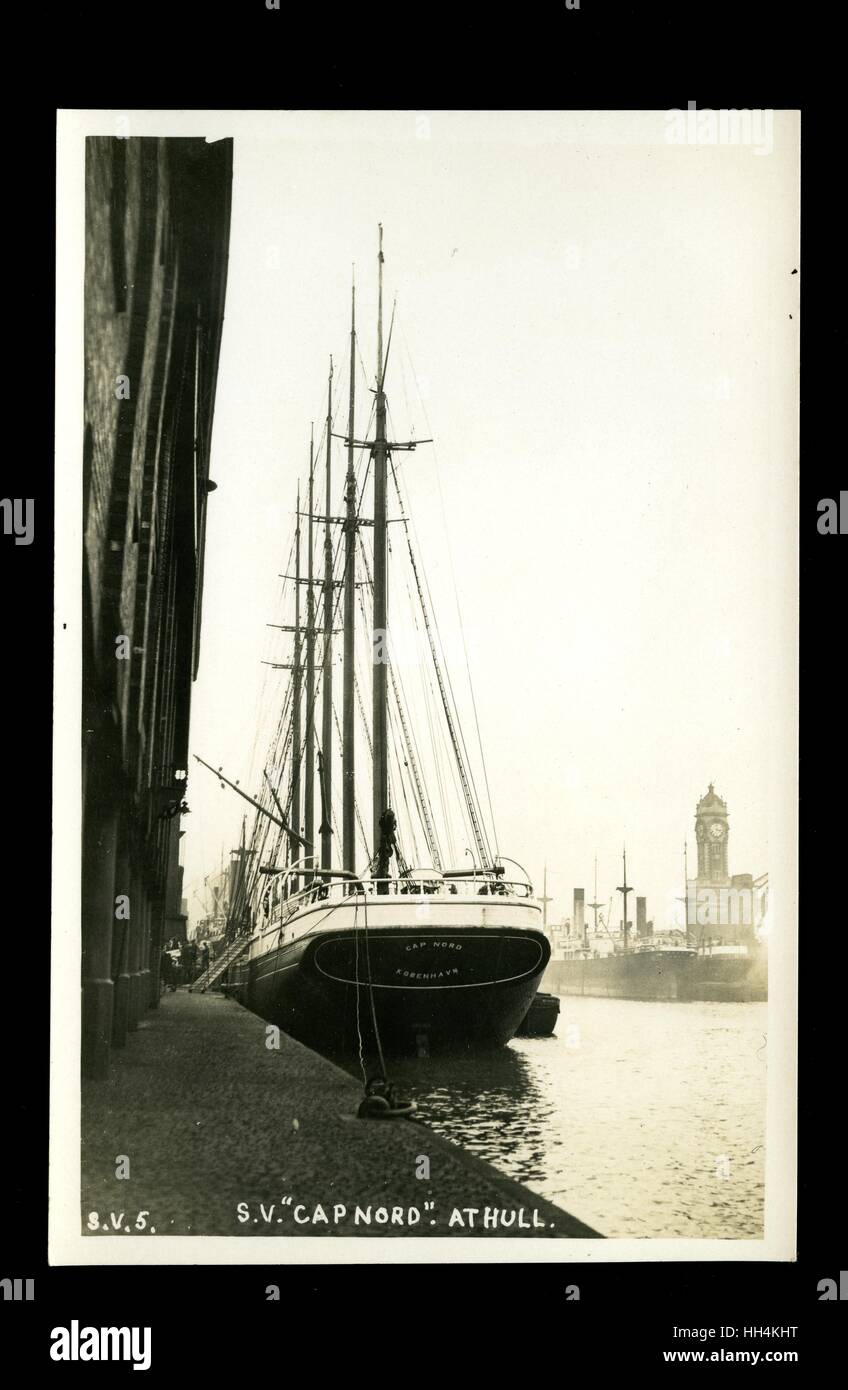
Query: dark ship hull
x=443, y=988
x=741, y=979
x=664, y=975
x=541, y=1017
x=642, y=975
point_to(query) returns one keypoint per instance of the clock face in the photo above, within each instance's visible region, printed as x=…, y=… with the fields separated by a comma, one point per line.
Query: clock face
x=717, y=830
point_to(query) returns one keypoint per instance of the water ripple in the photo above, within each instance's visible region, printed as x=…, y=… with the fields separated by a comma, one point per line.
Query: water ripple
x=653, y=1125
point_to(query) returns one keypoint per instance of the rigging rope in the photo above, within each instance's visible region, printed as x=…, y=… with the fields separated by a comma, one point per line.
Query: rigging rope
x=485, y=856
x=455, y=588
x=429, y=830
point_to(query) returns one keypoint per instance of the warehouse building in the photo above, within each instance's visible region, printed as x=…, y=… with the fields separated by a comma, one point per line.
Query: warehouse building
x=157, y=238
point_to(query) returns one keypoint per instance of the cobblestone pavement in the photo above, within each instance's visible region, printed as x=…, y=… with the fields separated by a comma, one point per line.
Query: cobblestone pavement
x=225, y=1136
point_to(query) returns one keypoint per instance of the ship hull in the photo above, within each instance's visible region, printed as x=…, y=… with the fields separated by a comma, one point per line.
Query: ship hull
x=659, y=975
x=440, y=988
x=649, y=975
x=729, y=978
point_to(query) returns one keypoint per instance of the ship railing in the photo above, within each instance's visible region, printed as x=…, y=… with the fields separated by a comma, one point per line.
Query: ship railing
x=659, y=943
x=338, y=886
x=474, y=885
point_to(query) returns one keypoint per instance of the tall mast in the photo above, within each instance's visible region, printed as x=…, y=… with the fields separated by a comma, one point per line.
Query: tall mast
x=380, y=620
x=327, y=667
x=309, y=758
x=544, y=900
x=348, y=722
x=594, y=905
x=624, y=890
x=294, y=815
x=686, y=888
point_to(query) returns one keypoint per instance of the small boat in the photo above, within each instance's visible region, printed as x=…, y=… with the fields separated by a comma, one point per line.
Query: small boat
x=541, y=1017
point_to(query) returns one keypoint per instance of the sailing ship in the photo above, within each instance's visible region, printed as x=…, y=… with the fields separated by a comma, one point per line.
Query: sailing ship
x=397, y=955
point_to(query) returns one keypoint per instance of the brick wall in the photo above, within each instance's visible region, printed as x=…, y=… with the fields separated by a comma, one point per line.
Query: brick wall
x=157, y=234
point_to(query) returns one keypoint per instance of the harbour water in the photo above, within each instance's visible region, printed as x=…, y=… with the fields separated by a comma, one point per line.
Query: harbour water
x=643, y=1119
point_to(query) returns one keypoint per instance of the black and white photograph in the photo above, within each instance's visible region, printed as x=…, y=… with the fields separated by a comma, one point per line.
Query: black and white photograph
x=425, y=764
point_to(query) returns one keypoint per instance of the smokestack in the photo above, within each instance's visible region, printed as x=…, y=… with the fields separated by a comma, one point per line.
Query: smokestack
x=641, y=918
x=579, y=918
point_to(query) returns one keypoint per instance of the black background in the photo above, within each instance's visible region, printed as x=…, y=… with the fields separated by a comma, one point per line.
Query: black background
x=448, y=1319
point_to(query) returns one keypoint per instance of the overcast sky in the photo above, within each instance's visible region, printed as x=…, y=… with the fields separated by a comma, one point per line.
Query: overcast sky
x=605, y=328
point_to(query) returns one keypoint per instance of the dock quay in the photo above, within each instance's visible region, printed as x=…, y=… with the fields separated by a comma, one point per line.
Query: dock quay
x=225, y=1135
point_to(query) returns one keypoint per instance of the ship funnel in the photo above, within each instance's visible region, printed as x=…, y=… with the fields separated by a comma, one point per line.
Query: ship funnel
x=579, y=918
x=641, y=918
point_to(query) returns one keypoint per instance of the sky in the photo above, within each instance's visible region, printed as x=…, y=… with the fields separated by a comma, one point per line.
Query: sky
x=604, y=330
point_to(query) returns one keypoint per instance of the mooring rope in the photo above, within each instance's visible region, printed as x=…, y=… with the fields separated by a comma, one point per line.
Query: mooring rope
x=371, y=991
x=360, y=1046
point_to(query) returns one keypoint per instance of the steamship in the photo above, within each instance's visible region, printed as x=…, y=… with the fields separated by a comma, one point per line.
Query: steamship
x=675, y=964
x=664, y=967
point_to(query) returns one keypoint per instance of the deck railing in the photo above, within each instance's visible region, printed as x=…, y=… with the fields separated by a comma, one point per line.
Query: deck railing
x=422, y=884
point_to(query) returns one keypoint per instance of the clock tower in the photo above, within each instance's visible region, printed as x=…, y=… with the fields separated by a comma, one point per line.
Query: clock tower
x=711, y=833
x=721, y=908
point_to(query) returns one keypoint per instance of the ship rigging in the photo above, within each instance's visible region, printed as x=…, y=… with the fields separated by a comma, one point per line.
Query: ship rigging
x=404, y=948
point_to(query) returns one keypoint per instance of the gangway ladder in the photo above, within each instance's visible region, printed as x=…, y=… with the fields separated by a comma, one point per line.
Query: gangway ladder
x=219, y=965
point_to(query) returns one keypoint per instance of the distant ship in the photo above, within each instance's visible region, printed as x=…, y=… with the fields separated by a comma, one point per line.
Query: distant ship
x=665, y=968
x=675, y=964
